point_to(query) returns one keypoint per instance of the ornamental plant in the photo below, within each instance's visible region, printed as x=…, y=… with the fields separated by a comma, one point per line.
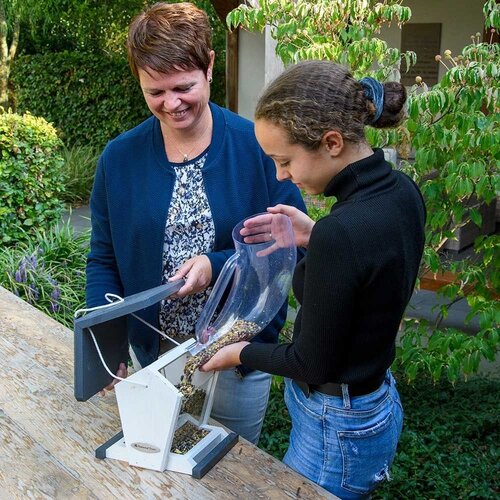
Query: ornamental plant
x=48, y=271
x=74, y=72
x=453, y=129
x=450, y=129
x=345, y=32
x=31, y=176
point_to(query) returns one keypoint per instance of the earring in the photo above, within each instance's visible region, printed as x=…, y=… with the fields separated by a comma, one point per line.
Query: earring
x=210, y=79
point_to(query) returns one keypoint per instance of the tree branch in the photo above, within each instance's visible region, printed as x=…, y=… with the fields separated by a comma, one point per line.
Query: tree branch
x=15, y=39
x=3, y=35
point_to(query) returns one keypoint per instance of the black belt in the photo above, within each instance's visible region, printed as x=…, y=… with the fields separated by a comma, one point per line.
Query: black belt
x=333, y=389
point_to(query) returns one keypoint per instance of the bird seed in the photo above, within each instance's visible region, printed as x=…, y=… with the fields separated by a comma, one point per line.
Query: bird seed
x=186, y=437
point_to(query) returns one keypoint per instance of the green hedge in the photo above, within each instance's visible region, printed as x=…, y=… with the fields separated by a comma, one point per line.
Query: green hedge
x=88, y=97
x=31, y=176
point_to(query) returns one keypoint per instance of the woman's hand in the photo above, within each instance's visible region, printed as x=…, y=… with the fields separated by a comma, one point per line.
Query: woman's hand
x=302, y=224
x=197, y=272
x=227, y=357
x=122, y=373
x=267, y=227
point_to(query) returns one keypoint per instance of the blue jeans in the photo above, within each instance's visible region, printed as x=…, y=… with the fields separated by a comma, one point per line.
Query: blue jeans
x=344, y=444
x=240, y=403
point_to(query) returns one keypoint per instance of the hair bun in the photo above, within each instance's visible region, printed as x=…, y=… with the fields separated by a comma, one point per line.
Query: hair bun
x=392, y=111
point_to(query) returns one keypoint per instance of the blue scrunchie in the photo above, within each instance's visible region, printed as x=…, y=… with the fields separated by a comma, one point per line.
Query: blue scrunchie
x=374, y=91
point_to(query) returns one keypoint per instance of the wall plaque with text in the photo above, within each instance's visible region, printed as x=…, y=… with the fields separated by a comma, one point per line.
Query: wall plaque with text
x=425, y=40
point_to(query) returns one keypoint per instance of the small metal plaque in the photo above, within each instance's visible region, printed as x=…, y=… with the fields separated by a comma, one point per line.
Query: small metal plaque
x=145, y=447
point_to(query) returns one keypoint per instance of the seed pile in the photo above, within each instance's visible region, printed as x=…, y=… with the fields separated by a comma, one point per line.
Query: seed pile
x=186, y=437
x=192, y=402
x=241, y=330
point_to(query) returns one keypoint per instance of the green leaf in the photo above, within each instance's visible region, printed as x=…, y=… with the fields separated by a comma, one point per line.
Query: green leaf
x=476, y=217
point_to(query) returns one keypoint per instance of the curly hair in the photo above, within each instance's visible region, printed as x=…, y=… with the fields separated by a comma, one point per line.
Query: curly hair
x=313, y=97
x=169, y=37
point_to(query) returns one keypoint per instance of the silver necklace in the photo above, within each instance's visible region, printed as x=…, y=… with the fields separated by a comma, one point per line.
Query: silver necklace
x=185, y=156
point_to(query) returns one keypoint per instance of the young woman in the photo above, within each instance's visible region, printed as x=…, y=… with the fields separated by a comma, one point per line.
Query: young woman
x=355, y=281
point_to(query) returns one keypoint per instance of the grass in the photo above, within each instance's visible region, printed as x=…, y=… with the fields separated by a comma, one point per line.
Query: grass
x=449, y=446
x=48, y=271
x=79, y=168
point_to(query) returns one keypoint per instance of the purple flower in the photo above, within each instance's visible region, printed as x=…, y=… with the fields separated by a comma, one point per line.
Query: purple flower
x=56, y=293
x=34, y=292
x=33, y=261
x=51, y=280
x=20, y=274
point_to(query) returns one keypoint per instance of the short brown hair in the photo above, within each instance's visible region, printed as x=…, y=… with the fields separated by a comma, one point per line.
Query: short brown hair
x=313, y=97
x=169, y=37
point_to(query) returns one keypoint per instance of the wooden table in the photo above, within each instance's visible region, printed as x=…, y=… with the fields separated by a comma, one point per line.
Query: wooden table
x=48, y=439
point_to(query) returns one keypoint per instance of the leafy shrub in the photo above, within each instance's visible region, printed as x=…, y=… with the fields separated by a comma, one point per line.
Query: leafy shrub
x=30, y=175
x=79, y=170
x=80, y=27
x=449, y=444
x=452, y=127
x=276, y=428
x=101, y=28
x=90, y=98
x=48, y=271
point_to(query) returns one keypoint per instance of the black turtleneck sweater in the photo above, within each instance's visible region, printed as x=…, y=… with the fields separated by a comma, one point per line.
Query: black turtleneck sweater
x=355, y=281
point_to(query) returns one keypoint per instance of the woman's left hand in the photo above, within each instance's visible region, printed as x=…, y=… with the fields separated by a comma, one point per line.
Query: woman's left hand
x=198, y=273
x=227, y=357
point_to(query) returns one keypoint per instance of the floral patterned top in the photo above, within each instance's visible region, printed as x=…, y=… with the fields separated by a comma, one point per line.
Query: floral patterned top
x=189, y=231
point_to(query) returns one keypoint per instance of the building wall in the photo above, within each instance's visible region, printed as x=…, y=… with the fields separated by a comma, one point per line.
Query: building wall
x=258, y=65
x=251, y=71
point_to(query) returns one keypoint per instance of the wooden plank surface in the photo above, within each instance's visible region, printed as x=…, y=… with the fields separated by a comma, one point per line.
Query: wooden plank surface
x=48, y=439
x=37, y=474
x=434, y=281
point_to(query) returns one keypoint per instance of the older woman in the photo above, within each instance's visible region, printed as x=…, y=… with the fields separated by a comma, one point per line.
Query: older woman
x=168, y=193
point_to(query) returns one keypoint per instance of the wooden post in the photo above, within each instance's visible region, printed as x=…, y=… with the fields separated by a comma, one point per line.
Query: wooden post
x=223, y=7
x=232, y=44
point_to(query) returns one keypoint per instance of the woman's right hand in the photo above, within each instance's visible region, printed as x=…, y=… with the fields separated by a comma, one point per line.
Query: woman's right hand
x=302, y=224
x=260, y=228
x=197, y=272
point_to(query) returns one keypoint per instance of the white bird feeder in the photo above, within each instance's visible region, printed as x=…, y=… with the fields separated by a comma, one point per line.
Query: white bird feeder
x=152, y=408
